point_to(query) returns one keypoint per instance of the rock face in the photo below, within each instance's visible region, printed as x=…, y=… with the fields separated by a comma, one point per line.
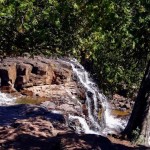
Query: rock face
x=36, y=128
x=121, y=103
x=30, y=127
x=8, y=73
x=46, y=78
x=43, y=77
x=23, y=72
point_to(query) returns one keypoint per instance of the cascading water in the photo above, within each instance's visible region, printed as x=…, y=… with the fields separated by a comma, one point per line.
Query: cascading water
x=94, y=122
x=108, y=123
x=6, y=99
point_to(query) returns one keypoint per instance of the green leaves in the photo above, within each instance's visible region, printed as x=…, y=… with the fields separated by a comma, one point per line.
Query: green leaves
x=112, y=36
x=2, y=1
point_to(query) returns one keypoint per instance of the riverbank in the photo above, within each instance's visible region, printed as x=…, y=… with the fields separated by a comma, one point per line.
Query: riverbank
x=57, y=103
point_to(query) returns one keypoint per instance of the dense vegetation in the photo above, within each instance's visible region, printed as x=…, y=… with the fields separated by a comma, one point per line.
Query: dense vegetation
x=109, y=37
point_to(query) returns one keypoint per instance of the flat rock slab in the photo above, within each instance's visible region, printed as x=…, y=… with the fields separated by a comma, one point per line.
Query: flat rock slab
x=9, y=114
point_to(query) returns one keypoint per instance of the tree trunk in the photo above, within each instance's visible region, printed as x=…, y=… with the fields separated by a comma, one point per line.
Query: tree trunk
x=140, y=116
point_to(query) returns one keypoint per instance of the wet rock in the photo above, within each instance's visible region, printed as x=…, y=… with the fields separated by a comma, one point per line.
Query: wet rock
x=24, y=70
x=8, y=89
x=11, y=113
x=75, y=125
x=39, y=133
x=90, y=94
x=42, y=77
x=67, y=108
x=34, y=111
x=48, y=105
x=121, y=104
x=27, y=72
x=81, y=93
x=85, y=110
x=29, y=134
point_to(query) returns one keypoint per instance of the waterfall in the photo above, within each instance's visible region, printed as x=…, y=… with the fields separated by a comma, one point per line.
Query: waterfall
x=91, y=124
x=99, y=119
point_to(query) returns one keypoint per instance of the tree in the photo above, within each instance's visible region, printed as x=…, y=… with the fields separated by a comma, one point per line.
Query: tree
x=105, y=33
x=140, y=117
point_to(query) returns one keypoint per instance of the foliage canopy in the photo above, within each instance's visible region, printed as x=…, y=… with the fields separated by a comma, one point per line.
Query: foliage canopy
x=110, y=38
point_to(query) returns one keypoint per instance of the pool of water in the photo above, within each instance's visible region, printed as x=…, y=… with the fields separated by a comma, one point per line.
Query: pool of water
x=120, y=113
x=30, y=100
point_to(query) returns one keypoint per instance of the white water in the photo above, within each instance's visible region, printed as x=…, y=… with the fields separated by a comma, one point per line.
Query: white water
x=109, y=123
x=84, y=125
x=84, y=80
x=6, y=99
x=90, y=124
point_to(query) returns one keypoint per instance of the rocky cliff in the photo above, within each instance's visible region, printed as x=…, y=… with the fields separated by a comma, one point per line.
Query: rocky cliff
x=23, y=72
x=51, y=79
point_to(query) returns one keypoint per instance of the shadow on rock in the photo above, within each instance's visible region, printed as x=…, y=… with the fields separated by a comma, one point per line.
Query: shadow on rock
x=30, y=142
x=30, y=127
x=73, y=141
x=68, y=141
x=123, y=147
x=8, y=114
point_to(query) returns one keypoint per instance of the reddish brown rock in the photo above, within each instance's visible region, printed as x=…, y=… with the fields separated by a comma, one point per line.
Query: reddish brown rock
x=26, y=92
x=28, y=72
x=62, y=75
x=84, y=109
x=8, y=73
x=23, y=74
x=41, y=73
x=8, y=89
x=29, y=134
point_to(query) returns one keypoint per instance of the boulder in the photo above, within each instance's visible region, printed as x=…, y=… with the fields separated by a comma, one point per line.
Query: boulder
x=49, y=105
x=23, y=74
x=128, y=105
x=67, y=108
x=39, y=133
x=62, y=75
x=26, y=92
x=41, y=74
x=26, y=74
x=8, y=73
x=81, y=93
x=122, y=103
x=72, y=141
x=118, y=97
x=85, y=110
